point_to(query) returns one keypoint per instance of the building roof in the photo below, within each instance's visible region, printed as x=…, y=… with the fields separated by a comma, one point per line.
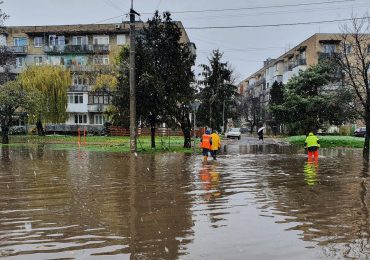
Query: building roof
x=111, y=28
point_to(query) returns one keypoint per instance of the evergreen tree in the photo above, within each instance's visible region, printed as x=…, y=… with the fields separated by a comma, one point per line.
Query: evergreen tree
x=313, y=98
x=217, y=88
x=164, y=77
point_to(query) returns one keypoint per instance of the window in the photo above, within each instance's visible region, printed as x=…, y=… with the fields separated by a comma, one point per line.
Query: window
x=80, y=40
x=101, y=40
x=55, y=40
x=80, y=80
x=38, y=60
x=329, y=48
x=37, y=42
x=121, y=39
x=348, y=48
x=368, y=49
x=80, y=119
x=75, y=98
x=100, y=119
x=100, y=98
x=20, y=41
x=302, y=55
x=101, y=60
x=2, y=40
x=56, y=60
x=20, y=62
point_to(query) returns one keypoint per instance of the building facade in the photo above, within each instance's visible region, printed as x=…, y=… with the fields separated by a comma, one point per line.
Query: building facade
x=306, y=54
x=85, y=50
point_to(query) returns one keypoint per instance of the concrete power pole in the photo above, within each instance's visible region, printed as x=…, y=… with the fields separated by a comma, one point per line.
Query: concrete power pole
x=133, y=127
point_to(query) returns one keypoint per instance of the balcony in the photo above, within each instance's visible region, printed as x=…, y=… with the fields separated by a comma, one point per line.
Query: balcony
x=78, y=49
x=19, y=49
x=96, y=107
x=289, y=67
x=301, y=62
x=80, y=88
x=328, y=55
x=258, y=83
x=80, y=68
x=100, y=48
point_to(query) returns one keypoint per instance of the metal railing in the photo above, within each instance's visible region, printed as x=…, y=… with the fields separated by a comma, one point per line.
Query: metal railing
x=83, y=49
x=19, y=49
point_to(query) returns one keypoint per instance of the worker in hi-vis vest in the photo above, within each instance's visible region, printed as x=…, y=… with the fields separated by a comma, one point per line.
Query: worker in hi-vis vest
x=205, y=144
x=312, y=145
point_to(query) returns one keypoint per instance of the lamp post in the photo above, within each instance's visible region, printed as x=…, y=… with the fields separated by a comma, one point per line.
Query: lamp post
x=223, y=114
x=195, y=106
x=211, y=100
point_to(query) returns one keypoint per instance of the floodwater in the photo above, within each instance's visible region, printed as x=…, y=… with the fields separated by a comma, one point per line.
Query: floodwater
x=254, y=202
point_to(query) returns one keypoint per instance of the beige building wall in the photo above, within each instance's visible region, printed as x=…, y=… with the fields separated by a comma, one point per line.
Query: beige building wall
x=83, y=104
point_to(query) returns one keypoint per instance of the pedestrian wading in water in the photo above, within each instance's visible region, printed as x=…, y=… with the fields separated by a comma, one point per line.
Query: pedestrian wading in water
x=216, y=144
x=312, y=145
x=205, y=144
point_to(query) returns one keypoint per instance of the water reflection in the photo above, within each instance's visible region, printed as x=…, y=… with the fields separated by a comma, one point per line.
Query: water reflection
x=210, y=178
x=255, y=202
x=311, y=168
x=74, y=204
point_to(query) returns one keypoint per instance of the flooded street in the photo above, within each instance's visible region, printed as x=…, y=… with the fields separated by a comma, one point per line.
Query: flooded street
x=254, y=202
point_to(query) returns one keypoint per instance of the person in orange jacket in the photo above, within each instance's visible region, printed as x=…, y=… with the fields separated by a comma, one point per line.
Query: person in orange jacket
x=205, y=144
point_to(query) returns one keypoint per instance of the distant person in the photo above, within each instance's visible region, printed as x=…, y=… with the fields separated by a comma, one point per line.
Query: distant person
x=216, y=144
x=205, y=144
x=260, y=134
x=312, y=144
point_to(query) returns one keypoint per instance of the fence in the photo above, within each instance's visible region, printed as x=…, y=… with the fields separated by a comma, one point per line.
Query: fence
x=120, y=131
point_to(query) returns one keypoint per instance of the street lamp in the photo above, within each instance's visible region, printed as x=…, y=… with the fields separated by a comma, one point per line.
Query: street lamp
x=223, y=114
x=194, y=106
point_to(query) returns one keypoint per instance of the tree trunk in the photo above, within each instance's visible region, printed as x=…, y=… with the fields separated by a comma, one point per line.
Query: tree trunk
x=5, y=134
x=152, y=122
x=367, y=135
x=186, y=130
x=40, y=128
x=152, y=136
x=187, y=137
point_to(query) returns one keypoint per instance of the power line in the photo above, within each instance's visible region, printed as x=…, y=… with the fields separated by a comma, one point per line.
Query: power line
x=112, y=18
x=259, y=7
x=228, y=16
x=273, y=25
x=239, y=9
x=109, y=2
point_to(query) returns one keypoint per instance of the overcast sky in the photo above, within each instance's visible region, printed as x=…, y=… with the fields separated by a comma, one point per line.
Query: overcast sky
x=244, y=48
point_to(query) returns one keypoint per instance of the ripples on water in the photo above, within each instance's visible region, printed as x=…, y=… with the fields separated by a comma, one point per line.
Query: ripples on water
x=256, y=202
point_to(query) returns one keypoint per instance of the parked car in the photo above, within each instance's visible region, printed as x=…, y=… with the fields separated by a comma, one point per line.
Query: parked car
x=360, y=132
x=233, y=133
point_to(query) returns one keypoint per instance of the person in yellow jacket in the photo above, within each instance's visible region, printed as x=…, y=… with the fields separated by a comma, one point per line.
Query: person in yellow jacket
x=216, y=144
x=312, y=144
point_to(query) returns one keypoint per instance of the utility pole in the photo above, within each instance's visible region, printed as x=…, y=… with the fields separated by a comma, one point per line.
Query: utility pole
x=133, y=127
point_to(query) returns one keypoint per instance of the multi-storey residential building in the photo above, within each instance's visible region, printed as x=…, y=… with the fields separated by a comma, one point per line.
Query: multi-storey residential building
x=281, y=69
x=84, y=50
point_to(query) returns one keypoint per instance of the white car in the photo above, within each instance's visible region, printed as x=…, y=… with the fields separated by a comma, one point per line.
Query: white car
x=233, y=133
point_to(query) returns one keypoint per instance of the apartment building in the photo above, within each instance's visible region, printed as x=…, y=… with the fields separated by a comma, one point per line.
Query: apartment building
x=306, y=54
x=84, y=50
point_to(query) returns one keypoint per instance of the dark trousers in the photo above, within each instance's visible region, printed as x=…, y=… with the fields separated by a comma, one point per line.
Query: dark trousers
x=214, y=153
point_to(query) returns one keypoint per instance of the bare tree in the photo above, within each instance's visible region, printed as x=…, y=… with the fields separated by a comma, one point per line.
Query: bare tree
x=354, y=59
x=250, y=108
